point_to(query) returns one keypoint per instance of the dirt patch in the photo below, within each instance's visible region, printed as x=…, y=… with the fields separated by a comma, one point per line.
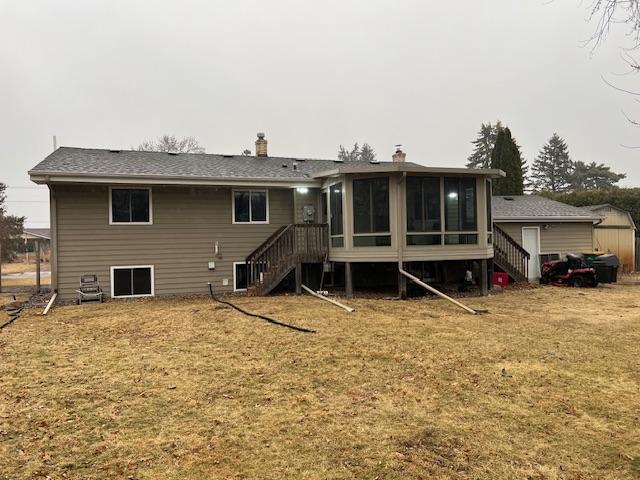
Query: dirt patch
x=544, y=386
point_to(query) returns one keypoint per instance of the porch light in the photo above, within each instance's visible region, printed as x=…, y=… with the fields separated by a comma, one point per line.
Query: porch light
x=302, y=190
x=453, y=195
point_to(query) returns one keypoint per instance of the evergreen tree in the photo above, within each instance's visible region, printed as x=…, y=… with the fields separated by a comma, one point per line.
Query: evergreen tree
x=507, y=157
x=552, y=168
x=593, y=176
x=483, y=146
x=367, y=154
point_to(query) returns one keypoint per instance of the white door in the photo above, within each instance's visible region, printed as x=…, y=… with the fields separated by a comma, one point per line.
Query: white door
x=531, y=243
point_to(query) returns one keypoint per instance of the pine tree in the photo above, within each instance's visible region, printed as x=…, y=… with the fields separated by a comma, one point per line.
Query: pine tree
x=367, y=154
x=507, y=157
x=10, y=228
x=552, y=168
x=483, y=146
x=593, y=176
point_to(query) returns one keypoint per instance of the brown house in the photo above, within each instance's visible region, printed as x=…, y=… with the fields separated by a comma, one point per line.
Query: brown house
x=151, y=223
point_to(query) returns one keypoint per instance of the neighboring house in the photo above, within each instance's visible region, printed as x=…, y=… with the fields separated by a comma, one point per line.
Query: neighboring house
x=616, y=234
x=544, y=228
x=150, y=223
x=32, y=238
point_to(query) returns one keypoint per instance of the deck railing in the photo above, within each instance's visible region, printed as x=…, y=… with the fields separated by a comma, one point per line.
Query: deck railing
x=509, y=255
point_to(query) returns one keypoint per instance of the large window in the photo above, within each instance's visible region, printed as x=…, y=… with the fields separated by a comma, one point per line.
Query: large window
x=423, y=211
x=336, y=229
x=130, y=206
x=132, y=281
x=250, y=206
x=460, y=210
x=239, y=276
x=371, y=212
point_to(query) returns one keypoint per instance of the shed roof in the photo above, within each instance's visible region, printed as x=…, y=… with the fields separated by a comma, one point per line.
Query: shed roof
x=537, y=208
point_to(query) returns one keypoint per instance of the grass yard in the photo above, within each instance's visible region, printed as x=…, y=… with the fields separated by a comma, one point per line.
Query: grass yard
x=21, y=267
x=189, y=389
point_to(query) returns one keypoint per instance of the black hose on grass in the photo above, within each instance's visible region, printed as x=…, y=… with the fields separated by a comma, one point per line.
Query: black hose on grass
x=262, y=317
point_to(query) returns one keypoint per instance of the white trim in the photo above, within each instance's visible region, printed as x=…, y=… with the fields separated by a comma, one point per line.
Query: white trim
x=111, y=222
x=153, y=286
x=235, y=289
x=233, y=205
x=44, y=178
x=543, y=219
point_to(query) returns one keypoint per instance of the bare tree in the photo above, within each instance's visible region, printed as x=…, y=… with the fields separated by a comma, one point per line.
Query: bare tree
x=607, y=13
x=172, y=144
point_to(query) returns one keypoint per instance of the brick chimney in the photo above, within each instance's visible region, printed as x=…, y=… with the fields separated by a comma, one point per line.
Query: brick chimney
x=261, y=146
x=399, y=156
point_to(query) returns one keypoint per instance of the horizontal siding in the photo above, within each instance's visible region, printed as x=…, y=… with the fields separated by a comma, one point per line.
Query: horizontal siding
x=186, y=224
x=560, y=238
x=620, y=242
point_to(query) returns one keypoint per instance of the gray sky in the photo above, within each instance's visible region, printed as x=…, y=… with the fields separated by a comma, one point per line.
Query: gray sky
x=312, y=75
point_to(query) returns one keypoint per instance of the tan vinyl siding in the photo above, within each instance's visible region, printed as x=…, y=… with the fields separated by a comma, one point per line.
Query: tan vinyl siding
x=616, y=234
x=559, y=237
x=186, y=224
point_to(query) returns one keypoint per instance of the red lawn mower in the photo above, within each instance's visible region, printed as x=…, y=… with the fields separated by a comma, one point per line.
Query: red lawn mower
x=572, y=271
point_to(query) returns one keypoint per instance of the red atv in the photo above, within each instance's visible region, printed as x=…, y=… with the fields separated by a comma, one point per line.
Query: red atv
x=572, y=271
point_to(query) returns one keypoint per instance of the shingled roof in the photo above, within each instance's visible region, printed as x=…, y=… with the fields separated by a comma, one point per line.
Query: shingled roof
x=534, y=207
x=133, y=163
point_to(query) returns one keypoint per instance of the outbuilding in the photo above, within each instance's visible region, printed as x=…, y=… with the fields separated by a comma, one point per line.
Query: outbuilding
x=616, y=234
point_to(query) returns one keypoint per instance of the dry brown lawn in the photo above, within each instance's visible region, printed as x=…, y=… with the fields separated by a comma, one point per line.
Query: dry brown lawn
x=544, y=386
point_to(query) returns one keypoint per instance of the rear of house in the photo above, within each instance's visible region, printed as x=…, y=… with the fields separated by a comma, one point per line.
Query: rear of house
x=544, y=228
x=153, y=223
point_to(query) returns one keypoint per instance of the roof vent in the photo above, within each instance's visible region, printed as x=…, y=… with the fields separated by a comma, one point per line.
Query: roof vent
x=114, y=151
x=510, y=199
x=227, y=156
x=294, y=165
x=284, y=165
x=172, y=153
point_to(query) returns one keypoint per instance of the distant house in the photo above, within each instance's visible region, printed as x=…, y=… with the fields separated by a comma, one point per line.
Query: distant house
x=544, y=228
x=31, y=236
x=152, y=223
x=616, y=234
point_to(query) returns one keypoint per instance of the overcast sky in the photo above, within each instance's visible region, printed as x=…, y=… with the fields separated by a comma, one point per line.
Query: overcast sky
x=310, y=74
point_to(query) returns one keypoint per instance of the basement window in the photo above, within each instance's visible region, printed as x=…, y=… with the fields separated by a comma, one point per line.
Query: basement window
x=130, y=206
x=240, y=280
x=132, y=281
x=250, y=206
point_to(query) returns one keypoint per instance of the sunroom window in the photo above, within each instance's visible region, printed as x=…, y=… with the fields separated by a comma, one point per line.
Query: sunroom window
x=336, y=229
x=424, y=222
x=371, y=212
x=460, y=211
x=250, y=206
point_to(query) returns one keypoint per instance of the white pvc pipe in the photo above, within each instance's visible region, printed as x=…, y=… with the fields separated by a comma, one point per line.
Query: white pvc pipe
x=53, y=299
x=330, y=300
x=437, y=292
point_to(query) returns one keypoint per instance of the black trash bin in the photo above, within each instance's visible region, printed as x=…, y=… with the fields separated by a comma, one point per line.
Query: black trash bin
x=606, y=267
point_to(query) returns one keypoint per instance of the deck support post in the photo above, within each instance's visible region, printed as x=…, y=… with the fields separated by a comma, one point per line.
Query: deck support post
x=298, y=278
x=484, y=277
x=402, y=283
x=348, y=280
x=37, y=265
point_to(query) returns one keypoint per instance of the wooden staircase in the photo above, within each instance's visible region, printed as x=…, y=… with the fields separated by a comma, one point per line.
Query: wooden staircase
x=287, y=248
x=509, y=255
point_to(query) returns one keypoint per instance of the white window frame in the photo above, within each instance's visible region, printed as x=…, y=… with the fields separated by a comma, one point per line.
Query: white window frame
x=549, y=253
x=127, y=187
x=153, y=286
x=233, y=205
x=235, y=289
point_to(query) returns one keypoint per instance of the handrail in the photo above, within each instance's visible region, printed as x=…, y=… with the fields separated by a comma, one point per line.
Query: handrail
x=504, y=235
x=510, y=255
x=283, y=250
x=267, y=243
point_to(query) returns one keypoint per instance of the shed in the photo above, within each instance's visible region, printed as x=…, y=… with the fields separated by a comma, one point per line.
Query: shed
x=616, y=234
